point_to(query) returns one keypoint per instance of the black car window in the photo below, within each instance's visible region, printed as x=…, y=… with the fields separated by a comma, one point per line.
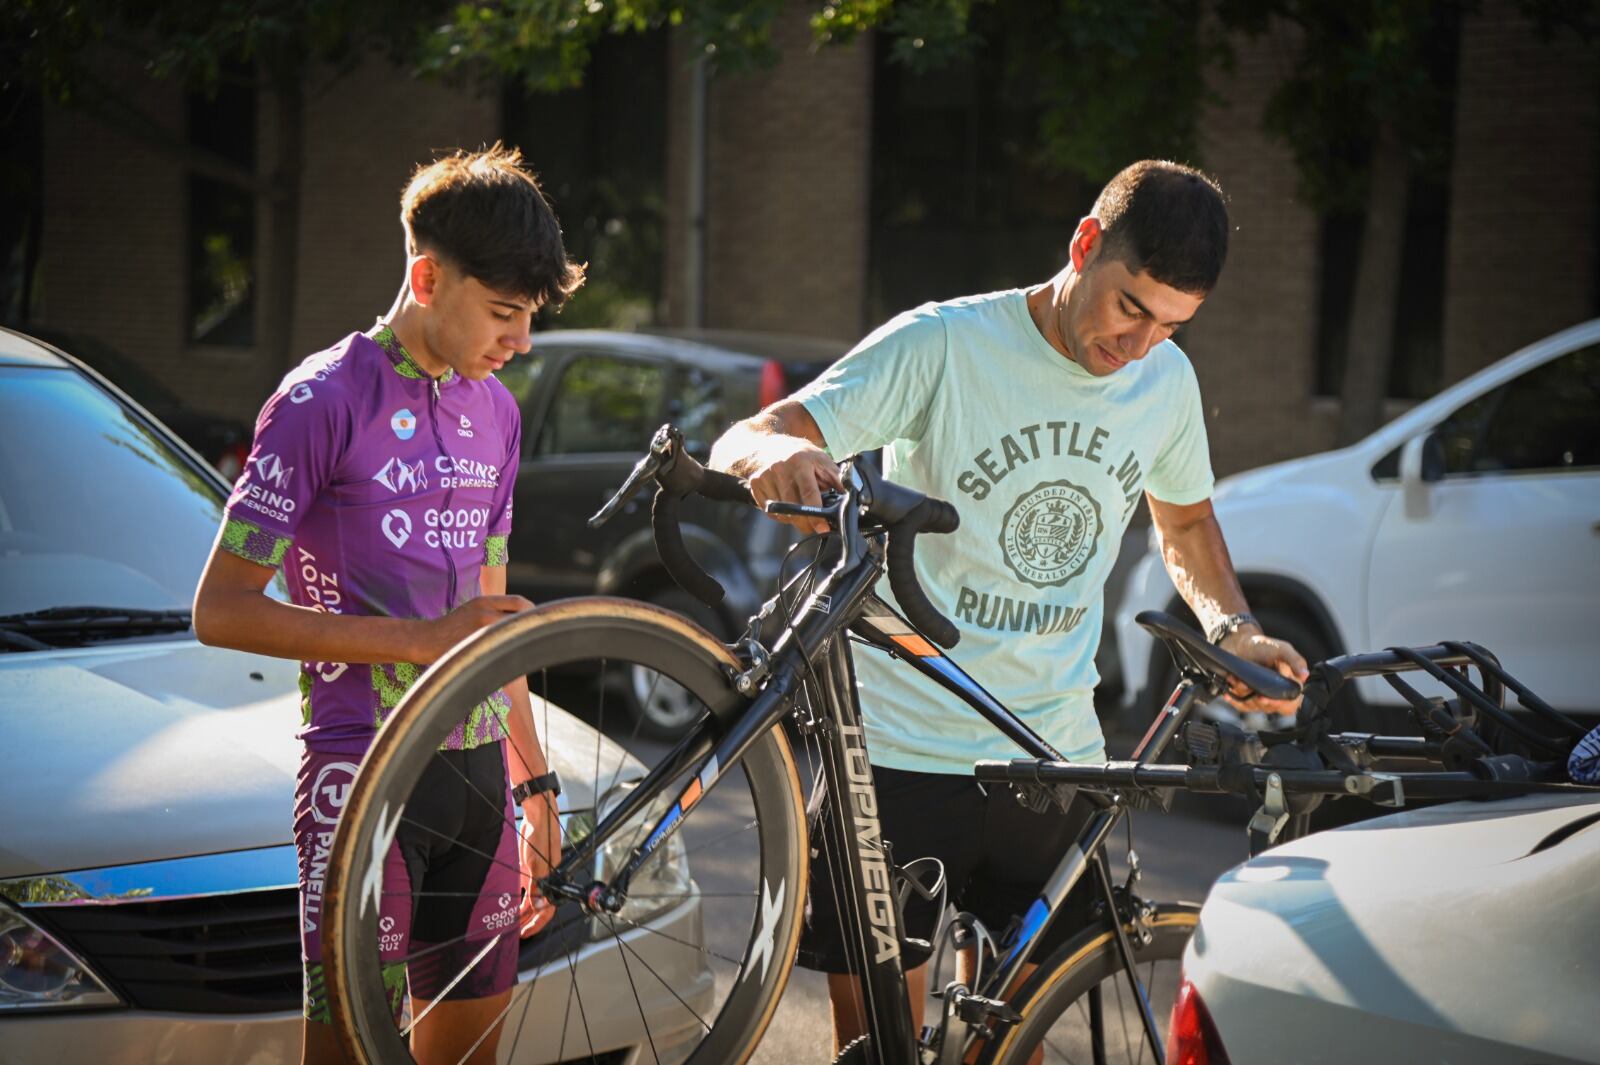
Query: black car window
x=697, y=408
x=95, y=507
x=1461, y=434
x=1548, y=419
x=604, y=404
x=521, y=376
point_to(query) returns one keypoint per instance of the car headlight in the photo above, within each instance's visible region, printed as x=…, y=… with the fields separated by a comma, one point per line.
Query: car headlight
x=662, y=882
x=37, y=972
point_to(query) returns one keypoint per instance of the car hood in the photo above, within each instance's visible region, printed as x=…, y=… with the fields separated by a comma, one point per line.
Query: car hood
x=143, y=751
x=1327, y=467
x=147, y=751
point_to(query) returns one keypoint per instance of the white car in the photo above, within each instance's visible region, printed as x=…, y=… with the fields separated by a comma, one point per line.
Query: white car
x=1466, y=933
x=1474, y=516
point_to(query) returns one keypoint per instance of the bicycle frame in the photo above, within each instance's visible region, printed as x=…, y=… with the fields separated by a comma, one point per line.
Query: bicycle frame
x=814, y=649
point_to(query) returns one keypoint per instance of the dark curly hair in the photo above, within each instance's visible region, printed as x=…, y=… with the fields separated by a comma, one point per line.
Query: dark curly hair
x=485, y=213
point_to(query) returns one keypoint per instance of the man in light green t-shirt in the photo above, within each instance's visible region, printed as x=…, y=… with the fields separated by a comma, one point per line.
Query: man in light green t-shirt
x=1044, y=415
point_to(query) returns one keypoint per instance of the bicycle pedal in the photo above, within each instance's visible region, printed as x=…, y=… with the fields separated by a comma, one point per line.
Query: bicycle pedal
x=975, y=1009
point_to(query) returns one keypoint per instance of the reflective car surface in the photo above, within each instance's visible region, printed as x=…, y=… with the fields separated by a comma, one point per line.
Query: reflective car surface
x=1466, y=933
x=148, y=891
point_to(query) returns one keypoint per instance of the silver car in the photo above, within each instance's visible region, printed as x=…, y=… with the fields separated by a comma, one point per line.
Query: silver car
x=148, y=899
x=1466, y=933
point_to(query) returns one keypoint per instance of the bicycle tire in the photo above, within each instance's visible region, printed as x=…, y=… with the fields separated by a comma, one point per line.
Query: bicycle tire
x=551, y=637
x=1089, y=960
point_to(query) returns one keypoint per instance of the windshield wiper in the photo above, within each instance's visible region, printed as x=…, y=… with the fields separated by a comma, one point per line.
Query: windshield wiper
x=45, y=628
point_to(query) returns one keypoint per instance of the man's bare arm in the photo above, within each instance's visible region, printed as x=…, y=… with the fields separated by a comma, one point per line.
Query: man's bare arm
x=1197, y=558
x=780, y=452
x=231, y=609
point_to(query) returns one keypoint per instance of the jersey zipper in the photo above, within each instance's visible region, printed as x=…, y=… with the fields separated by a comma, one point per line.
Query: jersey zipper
x=449, y=493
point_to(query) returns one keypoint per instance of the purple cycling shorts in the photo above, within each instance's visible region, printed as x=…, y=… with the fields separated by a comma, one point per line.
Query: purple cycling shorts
x=445, y=899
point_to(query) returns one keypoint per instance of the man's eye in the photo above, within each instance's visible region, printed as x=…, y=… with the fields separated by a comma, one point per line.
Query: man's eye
x=503, y=317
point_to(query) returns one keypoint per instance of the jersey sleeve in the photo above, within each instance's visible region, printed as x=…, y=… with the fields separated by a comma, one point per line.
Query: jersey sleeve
x=496, y=549
x=883, y=389
x=1182, y=470
x=300, y=433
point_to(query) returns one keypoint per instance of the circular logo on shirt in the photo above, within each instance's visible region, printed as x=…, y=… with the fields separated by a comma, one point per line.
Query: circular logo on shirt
x=403, y=422
x=1050, y=533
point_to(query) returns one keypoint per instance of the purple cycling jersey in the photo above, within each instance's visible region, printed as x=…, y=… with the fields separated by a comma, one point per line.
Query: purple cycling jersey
x=381, y=492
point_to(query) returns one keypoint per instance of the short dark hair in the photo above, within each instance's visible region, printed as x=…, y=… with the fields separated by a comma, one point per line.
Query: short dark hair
x=1168, y=220
x=485, y=213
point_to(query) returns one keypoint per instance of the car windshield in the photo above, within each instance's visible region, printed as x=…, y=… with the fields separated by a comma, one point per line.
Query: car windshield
x=96, y=510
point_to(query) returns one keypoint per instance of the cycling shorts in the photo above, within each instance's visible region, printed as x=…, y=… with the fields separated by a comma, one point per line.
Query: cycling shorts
x=996, y=854
x=444, y=897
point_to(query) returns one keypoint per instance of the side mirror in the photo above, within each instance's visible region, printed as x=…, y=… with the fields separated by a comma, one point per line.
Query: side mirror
x=1421, y=464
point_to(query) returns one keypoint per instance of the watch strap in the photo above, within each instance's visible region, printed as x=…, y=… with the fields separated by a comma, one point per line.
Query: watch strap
x=1225, y=628
x=536, y=786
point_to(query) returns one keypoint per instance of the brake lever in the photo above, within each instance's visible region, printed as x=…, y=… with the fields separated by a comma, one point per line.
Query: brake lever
x=654, y=461
x=643, y=470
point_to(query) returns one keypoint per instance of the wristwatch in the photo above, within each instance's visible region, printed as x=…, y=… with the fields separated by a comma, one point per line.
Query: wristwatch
x=536, y=786
x=1225, y=628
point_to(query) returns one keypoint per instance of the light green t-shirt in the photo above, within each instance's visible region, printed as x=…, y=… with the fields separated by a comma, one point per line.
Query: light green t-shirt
x=1046, y=463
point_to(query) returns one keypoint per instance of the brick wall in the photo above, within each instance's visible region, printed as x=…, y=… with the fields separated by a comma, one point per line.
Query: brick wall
x=111, y=253
x=1253, y=343
x=1525, y=189
x=115, y=224
x=789, y=157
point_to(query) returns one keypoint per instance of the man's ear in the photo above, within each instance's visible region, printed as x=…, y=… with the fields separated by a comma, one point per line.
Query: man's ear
x=423, y=276
x=1085, y=242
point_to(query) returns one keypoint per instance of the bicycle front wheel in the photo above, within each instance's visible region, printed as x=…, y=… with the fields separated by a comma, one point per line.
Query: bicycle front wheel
x=693, y=964
x=1079, y=999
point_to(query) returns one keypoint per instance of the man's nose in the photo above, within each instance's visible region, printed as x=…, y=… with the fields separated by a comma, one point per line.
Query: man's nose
x=1136, y=343
x=519, y=338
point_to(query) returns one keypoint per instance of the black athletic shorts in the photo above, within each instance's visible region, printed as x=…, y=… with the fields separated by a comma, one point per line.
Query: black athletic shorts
x=996, y=854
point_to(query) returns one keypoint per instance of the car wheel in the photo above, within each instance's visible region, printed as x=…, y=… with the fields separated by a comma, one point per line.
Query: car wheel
x=663, y=708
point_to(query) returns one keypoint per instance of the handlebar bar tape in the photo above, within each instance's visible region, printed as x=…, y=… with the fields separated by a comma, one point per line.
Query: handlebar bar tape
x=930, y=515
x=675, y=555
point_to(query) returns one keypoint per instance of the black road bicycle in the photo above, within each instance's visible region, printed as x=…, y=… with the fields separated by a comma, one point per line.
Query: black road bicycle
x=683, y=879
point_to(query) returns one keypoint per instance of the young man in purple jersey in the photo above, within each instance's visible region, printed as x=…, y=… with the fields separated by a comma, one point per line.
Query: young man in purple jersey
x=380, y=481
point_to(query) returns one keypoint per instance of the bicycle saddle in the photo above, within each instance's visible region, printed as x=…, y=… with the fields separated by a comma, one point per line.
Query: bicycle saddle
x=1212, y=662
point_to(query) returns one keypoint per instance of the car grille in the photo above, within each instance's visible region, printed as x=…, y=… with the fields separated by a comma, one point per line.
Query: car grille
x=234, y=953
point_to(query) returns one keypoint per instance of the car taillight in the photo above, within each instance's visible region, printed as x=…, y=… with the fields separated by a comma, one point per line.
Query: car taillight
x=1191, y=1037
x=773, y=385
x=231, y=462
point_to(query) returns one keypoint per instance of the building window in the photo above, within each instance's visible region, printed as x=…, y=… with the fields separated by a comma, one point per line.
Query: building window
x=1416, y=364
x=962, y=198
x=600, y=151
x=222, y=223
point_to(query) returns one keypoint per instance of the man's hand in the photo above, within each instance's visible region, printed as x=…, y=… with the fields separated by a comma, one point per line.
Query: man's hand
x=441, y=634
x=1253, y=646
x=538, y=851
x=793, y=470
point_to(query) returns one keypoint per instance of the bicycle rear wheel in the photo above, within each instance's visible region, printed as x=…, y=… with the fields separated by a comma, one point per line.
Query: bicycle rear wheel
x=1061, y=1019
x=692, y=966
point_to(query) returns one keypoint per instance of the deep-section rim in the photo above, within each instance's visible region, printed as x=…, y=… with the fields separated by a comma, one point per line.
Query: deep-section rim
x=1082, y=950
x=701, y=656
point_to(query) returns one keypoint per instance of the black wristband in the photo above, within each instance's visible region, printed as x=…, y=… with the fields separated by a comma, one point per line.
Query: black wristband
x=536, y=786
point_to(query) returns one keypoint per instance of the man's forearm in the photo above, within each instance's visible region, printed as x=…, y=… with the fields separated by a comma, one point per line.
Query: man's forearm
x=250, y=621
x=749, y=444
x=526, y=758
x=1197, y=559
